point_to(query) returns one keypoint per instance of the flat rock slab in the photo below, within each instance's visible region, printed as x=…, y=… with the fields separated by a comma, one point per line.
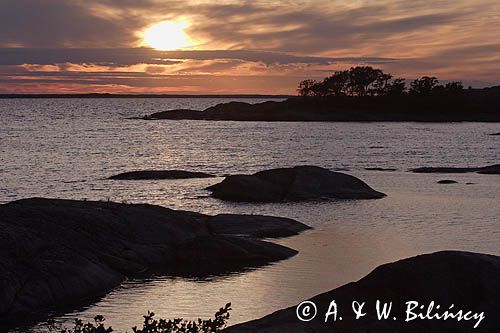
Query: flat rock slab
x=55, y=252
x=490, y=169
x=468, y=280
x=160, y=174
x=292, y=184
x=255, y=226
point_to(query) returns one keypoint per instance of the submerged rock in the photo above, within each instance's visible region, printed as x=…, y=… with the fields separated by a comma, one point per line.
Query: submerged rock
x=469, y=281
x=159, y=174
x=443, y=170
x=490, y=169
x=55, y=252
x=495, y=133
x=447, y=181
x=380, y=169
x=292, y=184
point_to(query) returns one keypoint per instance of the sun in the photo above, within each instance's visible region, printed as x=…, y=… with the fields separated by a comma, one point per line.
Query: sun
x=168, y=35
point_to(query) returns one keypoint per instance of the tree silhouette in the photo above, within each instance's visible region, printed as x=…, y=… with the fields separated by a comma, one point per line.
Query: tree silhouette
x=398, y=87
x=382, y=85
x=306, y=87
x=337, y=83
x=364, y=81
x=454, y=87
x=423, y=86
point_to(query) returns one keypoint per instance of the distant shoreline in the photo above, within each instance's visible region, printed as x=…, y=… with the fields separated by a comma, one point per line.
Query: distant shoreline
x=470, y=106
x=104, y=95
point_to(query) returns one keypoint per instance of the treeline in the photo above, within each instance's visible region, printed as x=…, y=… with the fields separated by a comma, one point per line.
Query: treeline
x=363, y=81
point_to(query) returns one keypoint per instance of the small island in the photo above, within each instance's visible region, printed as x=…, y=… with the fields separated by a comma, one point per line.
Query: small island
x=361, y=93
x=299, y=183
x=159, y=174
x=486, y=170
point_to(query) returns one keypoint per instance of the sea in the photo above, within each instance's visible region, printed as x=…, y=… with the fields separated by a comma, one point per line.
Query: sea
x=67, y=148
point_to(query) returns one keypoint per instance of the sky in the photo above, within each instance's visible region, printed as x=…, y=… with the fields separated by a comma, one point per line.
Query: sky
x=239, y=47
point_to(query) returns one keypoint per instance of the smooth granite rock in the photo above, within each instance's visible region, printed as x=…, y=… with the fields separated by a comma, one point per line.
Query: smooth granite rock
x=59, y=252
x=292, y=184
x=469, y=281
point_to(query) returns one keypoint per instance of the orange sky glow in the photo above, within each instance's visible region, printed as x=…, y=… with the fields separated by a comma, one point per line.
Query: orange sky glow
x=239, y=47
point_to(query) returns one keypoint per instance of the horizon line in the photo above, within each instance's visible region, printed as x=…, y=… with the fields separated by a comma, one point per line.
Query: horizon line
x=137, y=95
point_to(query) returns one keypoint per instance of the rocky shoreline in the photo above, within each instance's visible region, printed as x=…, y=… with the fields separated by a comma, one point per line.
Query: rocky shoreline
x=469, y=281
x=57, y=252
x=461, y=108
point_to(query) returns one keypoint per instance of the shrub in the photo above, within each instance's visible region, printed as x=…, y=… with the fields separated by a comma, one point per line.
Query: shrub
x=152, y=325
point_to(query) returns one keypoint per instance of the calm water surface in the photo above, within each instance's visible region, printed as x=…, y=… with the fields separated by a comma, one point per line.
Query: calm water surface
x=67, y=148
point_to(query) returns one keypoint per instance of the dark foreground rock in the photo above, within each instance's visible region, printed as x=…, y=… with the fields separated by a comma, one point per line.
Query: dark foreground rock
x=292, y=184
x=59, y=252
x=495, y=134
x=447, y=181
x=160, y=174
x=469, y=281
x=490, y=169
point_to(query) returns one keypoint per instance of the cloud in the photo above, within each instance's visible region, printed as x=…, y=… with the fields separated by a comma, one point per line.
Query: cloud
x=250, y=39
x=132, y=56
x=58, y=23
x=138, y=68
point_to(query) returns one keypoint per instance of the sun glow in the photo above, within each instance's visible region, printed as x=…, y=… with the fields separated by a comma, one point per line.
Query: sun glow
x=168, y=35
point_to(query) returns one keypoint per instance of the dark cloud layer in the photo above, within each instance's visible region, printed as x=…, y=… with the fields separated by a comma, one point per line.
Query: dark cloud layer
x=132, y=56
x=57, y=23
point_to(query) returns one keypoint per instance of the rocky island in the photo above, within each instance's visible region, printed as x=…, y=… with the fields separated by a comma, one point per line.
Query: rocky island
x=361, y=93
x=292, y=184
x=347, y=109
x=487, y=170
x=159, y=174
x=55, y=253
